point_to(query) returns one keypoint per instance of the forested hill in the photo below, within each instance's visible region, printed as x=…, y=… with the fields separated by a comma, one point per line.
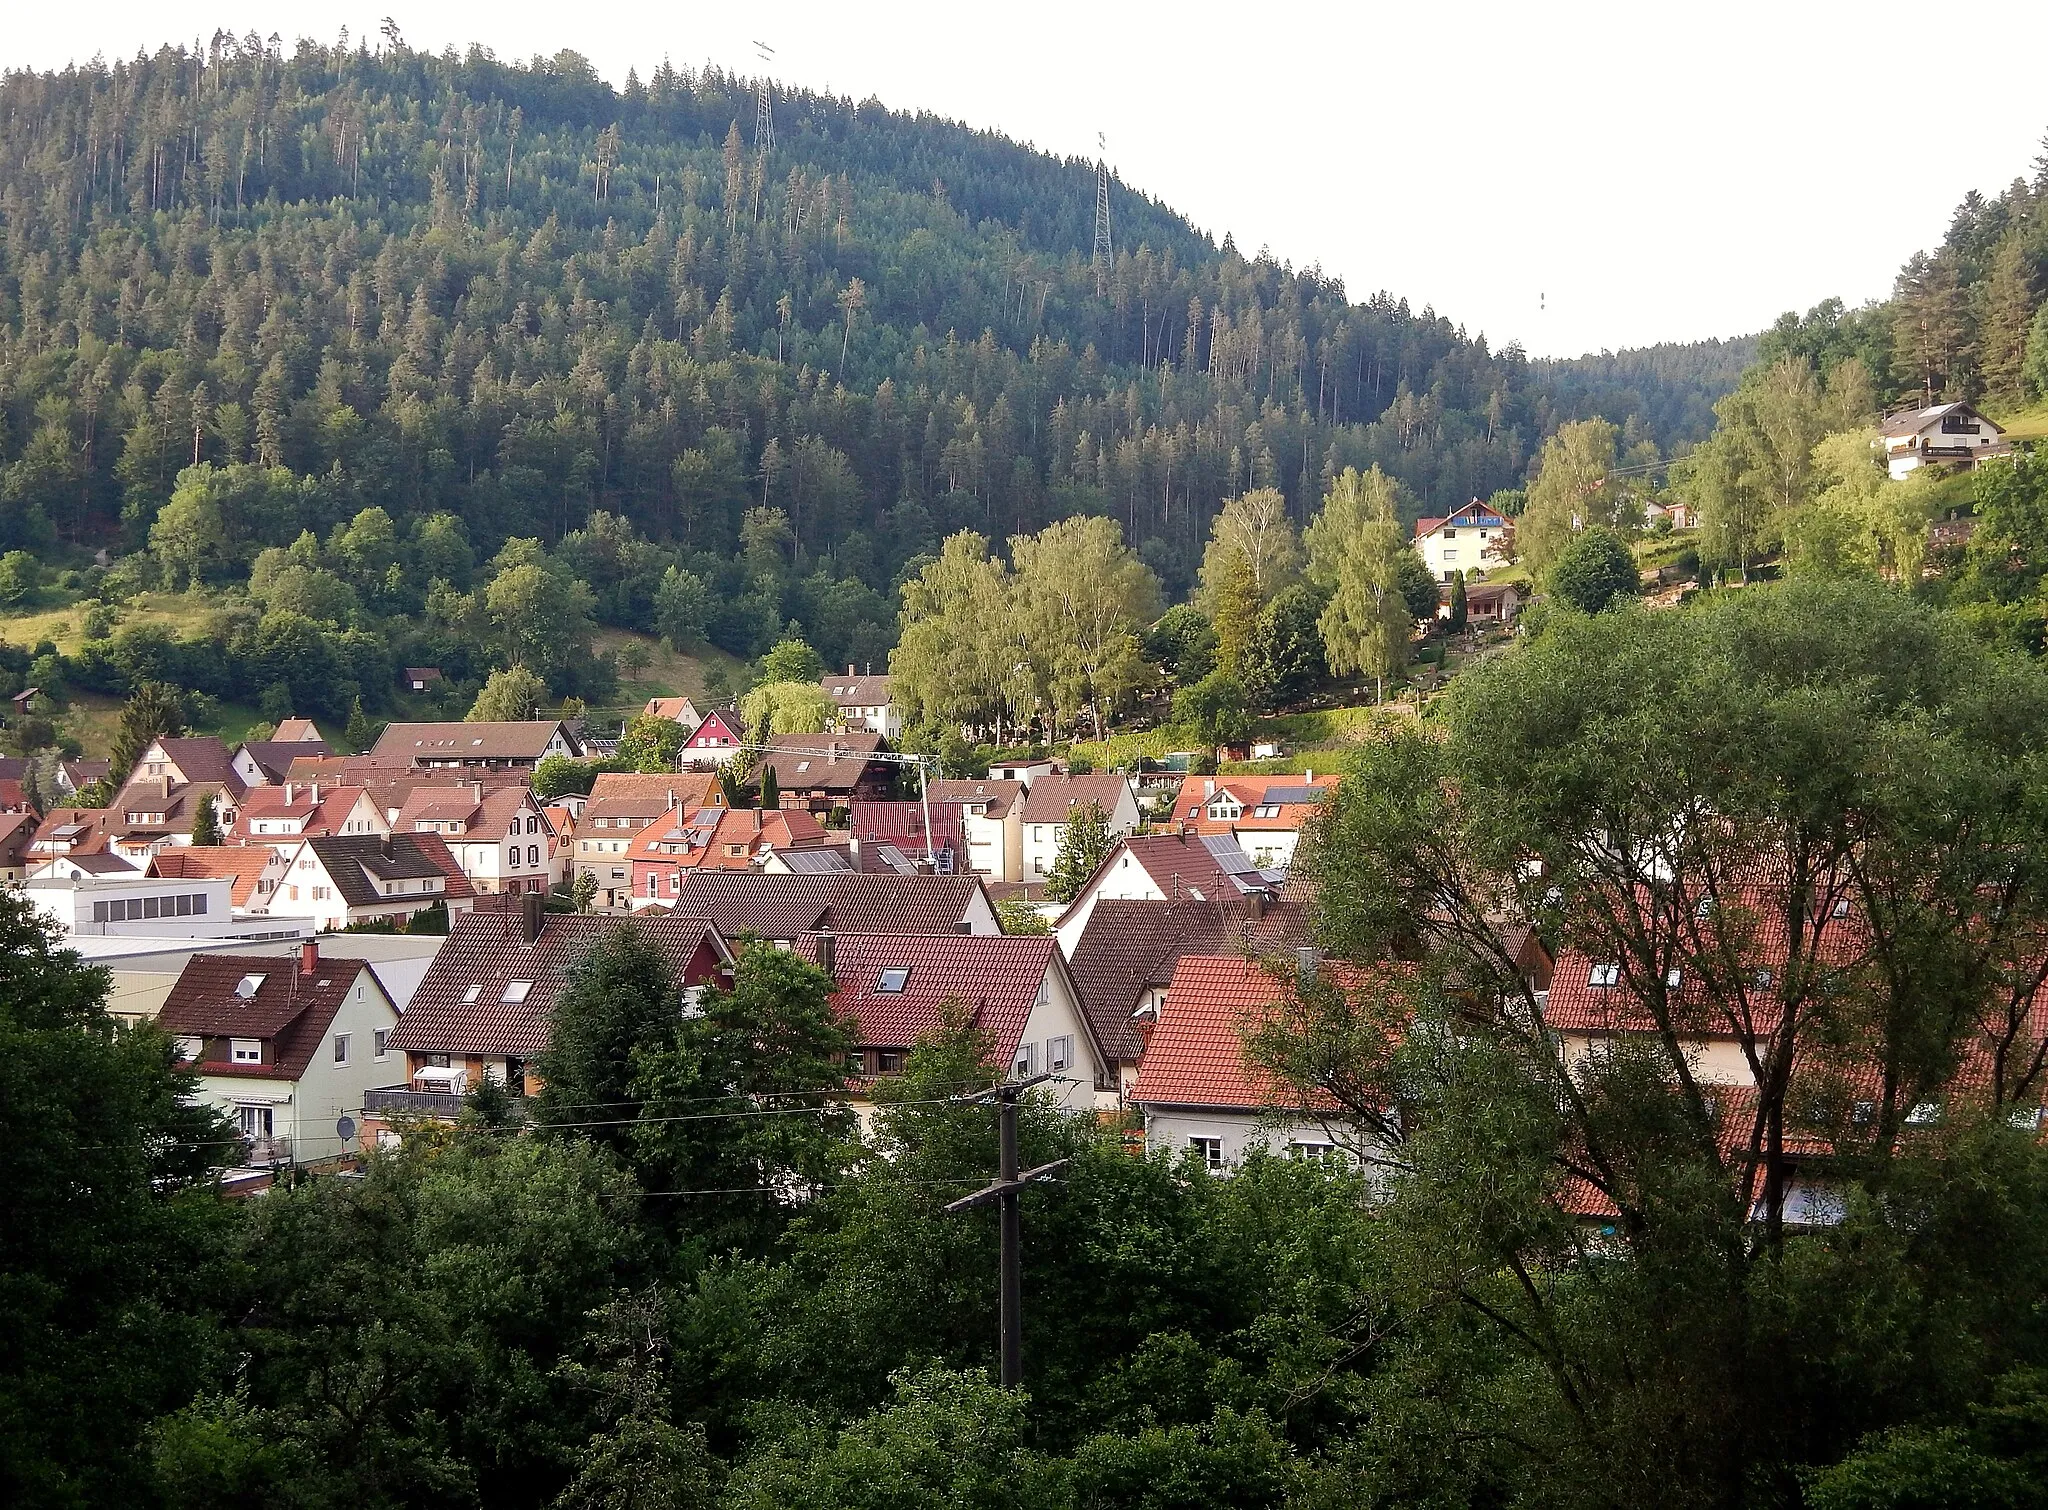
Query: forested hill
x=1669, y=389
x=441, y=285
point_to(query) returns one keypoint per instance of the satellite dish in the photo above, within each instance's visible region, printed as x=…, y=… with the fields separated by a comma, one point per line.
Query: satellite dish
x=345, y=1130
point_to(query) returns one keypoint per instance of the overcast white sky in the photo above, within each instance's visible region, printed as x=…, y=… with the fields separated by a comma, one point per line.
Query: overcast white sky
x=1576, y=175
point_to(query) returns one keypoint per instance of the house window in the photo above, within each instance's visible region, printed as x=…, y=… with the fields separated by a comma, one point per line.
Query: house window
x=341, y=1048
x=472, y=994
x=381, y=1040
x=889, y=1062
x=892, y=981
x=618, y=872
x=856, y=1062
x=1059, y=1053
x=533, y=854
x=245, y=1050
x=1312, y=1149
x=1025, y=1064
x=516, y=991
x=1605, y=975
x=255, y=1121
x=1674, y=978
x=1208, y=1150
x=191, y=1048
x=1925, y=1114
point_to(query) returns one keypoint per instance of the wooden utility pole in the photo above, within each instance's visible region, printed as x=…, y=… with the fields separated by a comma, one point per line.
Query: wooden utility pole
x=1005, y=1188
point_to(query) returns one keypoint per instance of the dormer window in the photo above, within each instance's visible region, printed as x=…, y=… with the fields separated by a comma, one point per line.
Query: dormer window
x=516, y=991
x=245, y=1050
x=469, y=997
x=892, y=981
x=1604, y=975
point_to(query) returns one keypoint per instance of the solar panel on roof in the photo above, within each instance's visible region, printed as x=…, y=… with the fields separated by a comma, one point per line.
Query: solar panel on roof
x=1293, y=794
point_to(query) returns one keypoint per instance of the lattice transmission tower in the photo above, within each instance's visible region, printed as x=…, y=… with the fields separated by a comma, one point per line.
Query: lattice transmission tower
x=1103, y=252
x=764, y=103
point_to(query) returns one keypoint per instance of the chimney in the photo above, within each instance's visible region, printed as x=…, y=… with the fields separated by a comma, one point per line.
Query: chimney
x=1308, y=776
x=309, y=955
x=828, y=952
x=963, y=926
x=671, y=799
x=313, y=793
x=1305, y=962
x=849, y=668
x=290, y=789
x=533, y=908
x=1255, y=904
x=1208, y=789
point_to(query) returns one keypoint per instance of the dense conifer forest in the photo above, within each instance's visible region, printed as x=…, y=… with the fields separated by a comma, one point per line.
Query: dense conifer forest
x=384, y=310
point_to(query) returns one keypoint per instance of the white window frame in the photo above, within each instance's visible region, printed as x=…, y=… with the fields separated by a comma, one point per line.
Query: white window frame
x=245, y=1051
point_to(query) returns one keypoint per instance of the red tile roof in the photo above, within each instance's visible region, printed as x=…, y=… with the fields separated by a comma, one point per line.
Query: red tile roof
x=996, y=976
x=1130, y=946
x=1196, y=1056
x=243, y=864
x=1197, y=1053
x=1198, y=793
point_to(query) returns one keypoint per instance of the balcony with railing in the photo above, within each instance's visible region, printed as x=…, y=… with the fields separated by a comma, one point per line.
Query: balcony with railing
x=403, y=1101
x=267, y=1150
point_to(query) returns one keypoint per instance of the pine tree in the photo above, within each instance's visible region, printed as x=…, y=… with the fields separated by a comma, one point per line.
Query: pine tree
x=771, y=790
x=152, y=712
x=2008, y=315
x=359, y=734
x=1085, y=842
x=205, y=824
x=1459, y=609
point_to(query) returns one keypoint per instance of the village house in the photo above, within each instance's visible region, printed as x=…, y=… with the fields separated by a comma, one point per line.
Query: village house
x=74, y=776
x=252, y=871
x=1194, y=1089
x=899, y=987
x=710, y=838
x=420, y=678
x=991, y=824
x=1264, y=814
x=893, y=835
x=864, y=703
x=499, y=836
x=285, y=1044
x=1946, y=433
x=1151, y=867
x=1468, y=541
x=678, y=710
x=621, y=804
x=265, y=762
x=1049, y=804
x=716, y=740
x=1487, y=603
x=159, y=802
x=17, y=833
x=819, y=772
x=455, y=746
x=1124, y=958
x=339, y=880
x=783, y=908
x=292, y=811
x=485, y=1007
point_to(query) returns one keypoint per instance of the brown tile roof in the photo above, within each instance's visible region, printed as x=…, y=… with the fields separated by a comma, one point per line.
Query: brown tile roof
x=786, y=907
x=274, y=757
x=242, y=864
x=487, y=950
x=95, y=826
x=1202, y=866
x=1052, y=799
x=202, y=758
x=490, y=814
x=996, y=795
x=296, y=729
x=821, y=762
x=676, y=709
x=466, y=741
x=856, y=691
x=1131, y=946
x=289, y=1007
x=997, y=977
x=269, y=803
x=357, y=863
x=16, y=832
